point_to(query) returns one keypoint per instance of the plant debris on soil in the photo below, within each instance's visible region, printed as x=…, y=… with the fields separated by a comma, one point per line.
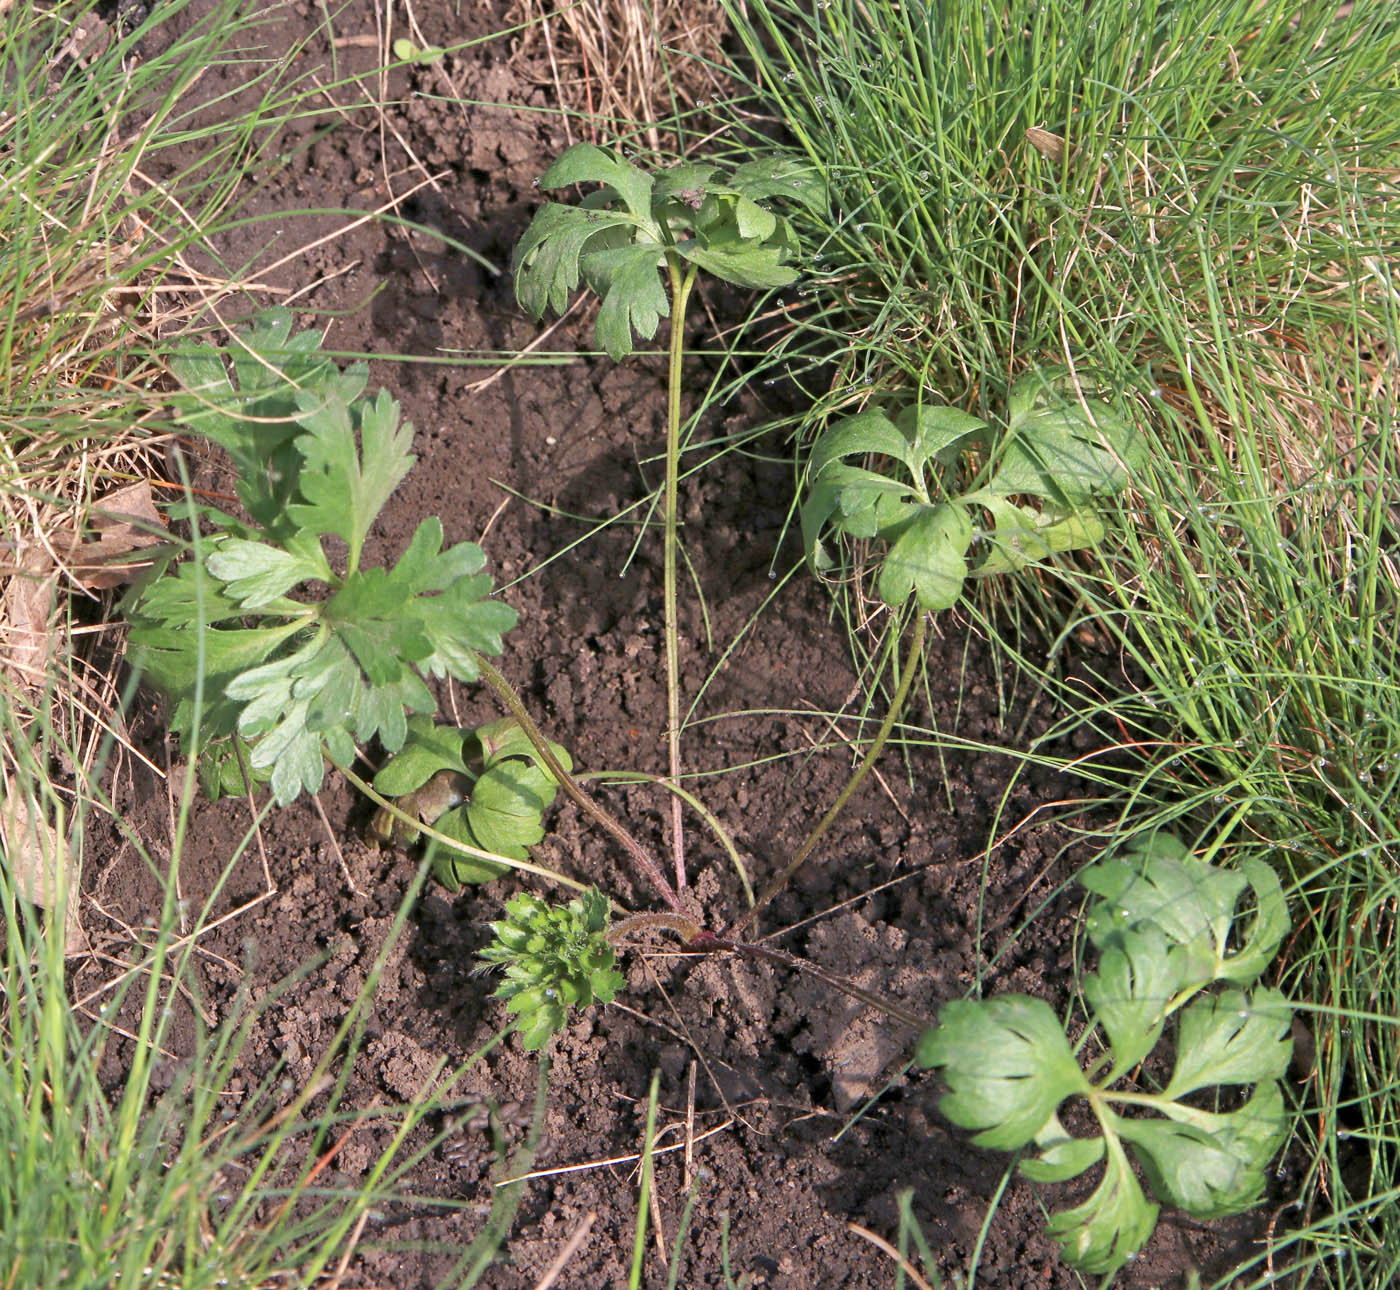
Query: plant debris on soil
x=777, y=1063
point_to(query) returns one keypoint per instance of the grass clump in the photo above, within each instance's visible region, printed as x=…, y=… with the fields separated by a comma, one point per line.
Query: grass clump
x=1198, y=202
x=129, y=1161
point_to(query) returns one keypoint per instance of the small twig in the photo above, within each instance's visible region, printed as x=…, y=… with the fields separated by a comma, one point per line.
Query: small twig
x=658, y=1233
x=610, y=1160
x=689, y=1126
x=519, y=356
x=350, y=1246
x=335, y=844
x=880, y=1243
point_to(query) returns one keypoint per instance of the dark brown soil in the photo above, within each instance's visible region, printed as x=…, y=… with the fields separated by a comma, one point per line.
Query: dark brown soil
x=779, y=1060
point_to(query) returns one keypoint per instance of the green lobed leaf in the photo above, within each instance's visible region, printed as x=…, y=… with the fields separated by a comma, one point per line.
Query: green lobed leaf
x=1232, y=1038
x=1022, y=536
x=938, y=433
x=460, y=624
x=547, y=256
x=258, y=575
x=253, y=414
x=343, y=488
x=383, y=710
x=1215, y=1164
x=1193, y=904
x=376, y=618
x=928, y=558
x=860, y=503
x=1259, y=941
x=428, y=748
x=507, y=806
x=685, y=183
x=504, y=738
x=1138, y=976
x=865, y=433
x=634, y=300
x=452, y=868
x=1060, y=1156
x=1007, y=1065
x=759, y=267
x=1109, y=1228
x=585, y=163
x=1064, y=445
x=172, y=658
x=784, y=177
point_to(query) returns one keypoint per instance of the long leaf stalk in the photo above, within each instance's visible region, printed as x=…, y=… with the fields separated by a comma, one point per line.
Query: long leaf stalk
x=912, y=661
x=597, y=812
x=682, y=277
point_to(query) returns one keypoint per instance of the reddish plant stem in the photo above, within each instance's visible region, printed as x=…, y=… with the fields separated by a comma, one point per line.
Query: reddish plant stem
x=516, y=707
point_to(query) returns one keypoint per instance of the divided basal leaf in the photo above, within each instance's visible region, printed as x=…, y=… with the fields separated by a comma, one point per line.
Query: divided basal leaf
x=926, y=472
x=504, y=794
x=303, y=660
x=1164, y=924
x=635, y=223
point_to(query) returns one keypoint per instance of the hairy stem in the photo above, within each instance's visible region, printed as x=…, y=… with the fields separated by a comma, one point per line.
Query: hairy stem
x=599, y=814
x=901, y=695
x=682, y=280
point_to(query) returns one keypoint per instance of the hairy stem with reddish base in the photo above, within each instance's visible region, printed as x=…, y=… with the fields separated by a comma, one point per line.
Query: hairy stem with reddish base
x=516, y=707
x=682, y=280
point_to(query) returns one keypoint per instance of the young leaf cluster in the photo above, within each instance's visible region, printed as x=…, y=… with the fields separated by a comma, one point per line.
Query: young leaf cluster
x=1166, y=927
x=1020, y=496
x=485, y=787
x=620, y=236
x=554, y=956
x=297, y=651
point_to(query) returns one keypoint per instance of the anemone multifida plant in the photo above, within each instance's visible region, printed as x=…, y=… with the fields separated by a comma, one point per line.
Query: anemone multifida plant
x=640, y=239
x=1172, y=947
x=928, y=483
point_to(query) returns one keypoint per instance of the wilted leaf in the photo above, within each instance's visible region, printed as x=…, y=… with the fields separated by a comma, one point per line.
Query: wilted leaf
x=125, y=521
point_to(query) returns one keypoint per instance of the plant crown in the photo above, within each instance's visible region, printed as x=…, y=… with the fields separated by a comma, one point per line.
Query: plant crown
x=1165, y=927
x=623, y=232
x=554, y=956
x=290, y=679
x=1060, y=454
x=485, y=787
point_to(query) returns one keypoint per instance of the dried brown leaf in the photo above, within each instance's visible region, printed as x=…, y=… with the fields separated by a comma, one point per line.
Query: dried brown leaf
x=125, y=521
x=39, y=863
x=26, y=608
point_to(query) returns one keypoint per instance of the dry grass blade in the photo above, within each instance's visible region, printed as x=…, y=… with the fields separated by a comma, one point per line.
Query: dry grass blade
x=626, y=62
